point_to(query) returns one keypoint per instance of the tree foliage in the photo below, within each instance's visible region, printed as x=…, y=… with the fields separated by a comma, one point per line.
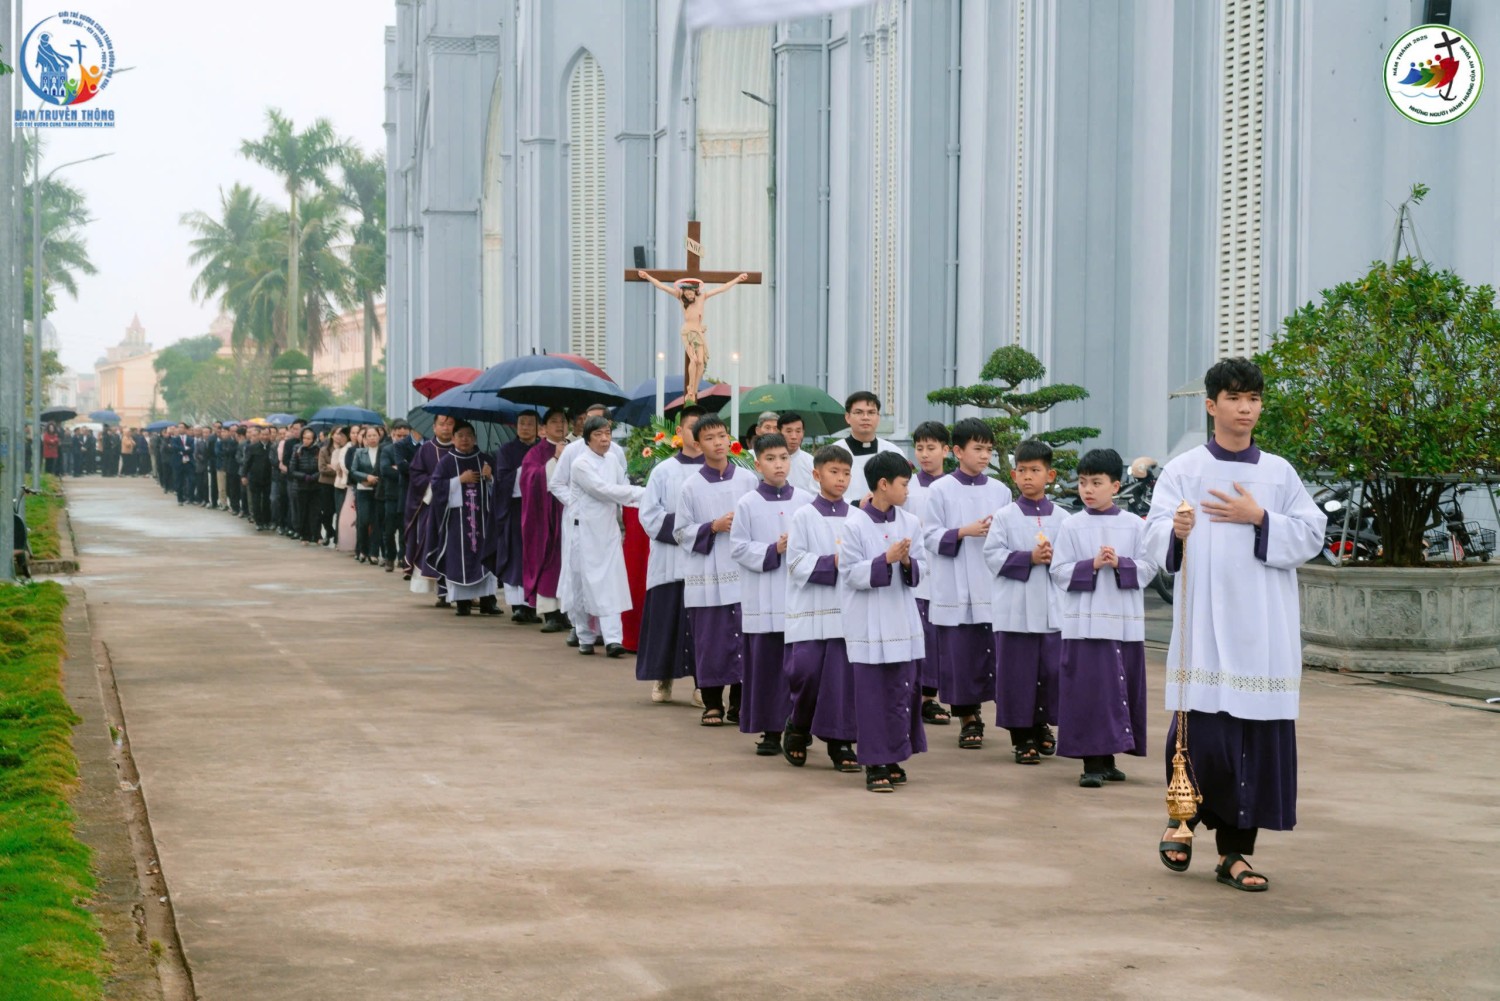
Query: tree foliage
x=1386, y=382
x=1006, y=371
x=177, y=364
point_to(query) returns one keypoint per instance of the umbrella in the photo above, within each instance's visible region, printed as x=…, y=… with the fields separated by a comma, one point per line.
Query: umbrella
x=496, y=376
x=712, y=399
x=582, y=363
x=821, y=413
x=443, y=379
x=160, y=425
x=348, y=415
x=491, y=436
x=57, y=414
x=642, y=406
x=459, y=402
x=105, y=417
x=569, y=388
x=259, y=422
x=280, y=420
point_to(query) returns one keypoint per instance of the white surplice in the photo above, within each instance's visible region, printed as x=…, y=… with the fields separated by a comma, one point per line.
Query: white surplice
x=1030, y=605
x=801, y=473
x=658, y=513
x=960, y=579
x=1108, y=612
x=857, y=485
x=813, y=606
x=761, y=517
x=710, y=579
x=918, y=492
x=881, y=623
x=1245, y=641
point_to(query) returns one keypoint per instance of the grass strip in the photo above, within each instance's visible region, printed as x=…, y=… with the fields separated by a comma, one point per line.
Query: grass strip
x=41, y=520
x=50, y=947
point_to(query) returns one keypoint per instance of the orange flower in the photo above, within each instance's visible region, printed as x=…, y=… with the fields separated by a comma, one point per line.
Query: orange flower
x=646, y=452
x=659, y=436
x=677, y=441
x=735, y=448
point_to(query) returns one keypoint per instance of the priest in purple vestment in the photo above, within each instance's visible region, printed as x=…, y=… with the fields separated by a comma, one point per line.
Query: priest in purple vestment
x=541, y=523
x=460, y=544
x=417, y=510
x=506, y=507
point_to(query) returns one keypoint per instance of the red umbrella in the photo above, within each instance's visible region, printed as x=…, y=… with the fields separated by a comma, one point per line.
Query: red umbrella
x=444, y=379
x=584, y=364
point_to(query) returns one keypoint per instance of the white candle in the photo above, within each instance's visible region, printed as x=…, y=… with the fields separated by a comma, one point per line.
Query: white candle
x=734, y=395
x=661, y=385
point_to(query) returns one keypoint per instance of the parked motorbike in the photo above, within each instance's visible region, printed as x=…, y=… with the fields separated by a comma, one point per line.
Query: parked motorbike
x=1350, y=534
x=1135, y=496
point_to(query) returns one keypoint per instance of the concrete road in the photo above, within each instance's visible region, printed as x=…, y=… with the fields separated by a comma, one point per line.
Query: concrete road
x=357, y=796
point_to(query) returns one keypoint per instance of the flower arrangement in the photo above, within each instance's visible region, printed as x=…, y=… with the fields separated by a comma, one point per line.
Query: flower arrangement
x=659, y=441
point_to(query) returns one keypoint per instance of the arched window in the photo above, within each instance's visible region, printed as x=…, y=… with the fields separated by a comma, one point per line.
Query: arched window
x=586, y=211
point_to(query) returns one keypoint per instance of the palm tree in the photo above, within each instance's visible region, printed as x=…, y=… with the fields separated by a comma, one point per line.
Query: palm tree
x=302, y=159
x=364, y=193
x=225, y=245
x=325, y=279
x=65, y=219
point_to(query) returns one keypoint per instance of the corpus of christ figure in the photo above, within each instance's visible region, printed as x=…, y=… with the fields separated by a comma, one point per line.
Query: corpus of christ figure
x=687, y=287
x=689, y=291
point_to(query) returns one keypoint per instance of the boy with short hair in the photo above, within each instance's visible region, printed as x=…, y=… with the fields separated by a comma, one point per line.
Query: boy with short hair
x=930, y=442
x=820, y=680
x=711, y=577
x=1100, y=562
x=1023, y=602
x=762, y=522
x=793, y=428
x=666, y=646
x=1240, y=690
x=880, y=564
x=960, y=508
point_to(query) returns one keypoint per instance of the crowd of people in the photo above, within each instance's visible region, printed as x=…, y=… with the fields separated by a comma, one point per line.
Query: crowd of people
x=841, y=594
x=80, y=452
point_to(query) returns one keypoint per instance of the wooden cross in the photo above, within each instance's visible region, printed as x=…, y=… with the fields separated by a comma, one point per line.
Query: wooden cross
x=694, y=270
x=694, y=267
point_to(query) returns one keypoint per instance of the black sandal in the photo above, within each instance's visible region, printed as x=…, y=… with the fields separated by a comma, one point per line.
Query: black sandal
x=878, y=779
x=1028, y=754
x=971, y=737
x=842, y=755
x=770, y=744
x=1169, y=845
x=898, y=775
x=711, y=717
x=733, y=715
x=794, y=744
x=1238, y=882
x=1046, y=742
x=934, y=713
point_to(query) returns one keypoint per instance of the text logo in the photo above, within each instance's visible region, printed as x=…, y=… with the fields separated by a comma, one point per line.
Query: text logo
x=1433, y=75
x=67, y=61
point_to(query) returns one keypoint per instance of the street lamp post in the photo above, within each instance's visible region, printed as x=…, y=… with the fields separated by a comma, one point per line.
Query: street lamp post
x=36, y=307
x=10, y=339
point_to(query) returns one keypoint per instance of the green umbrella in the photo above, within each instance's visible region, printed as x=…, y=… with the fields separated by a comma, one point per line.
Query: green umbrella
x=821, y=413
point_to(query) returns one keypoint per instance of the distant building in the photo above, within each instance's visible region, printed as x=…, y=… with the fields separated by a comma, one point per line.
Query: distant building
x=343, y=352
x=126, y=379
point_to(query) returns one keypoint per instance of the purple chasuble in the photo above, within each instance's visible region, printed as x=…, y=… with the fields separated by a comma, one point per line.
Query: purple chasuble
x=541, y=525
x=459, y=544
x=506, y=511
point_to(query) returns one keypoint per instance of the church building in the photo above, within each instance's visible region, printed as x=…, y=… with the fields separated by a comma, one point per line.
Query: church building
x=1130, y=189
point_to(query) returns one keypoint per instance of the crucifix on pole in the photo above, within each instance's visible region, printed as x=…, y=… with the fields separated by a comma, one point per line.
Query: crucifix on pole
x=687, y=287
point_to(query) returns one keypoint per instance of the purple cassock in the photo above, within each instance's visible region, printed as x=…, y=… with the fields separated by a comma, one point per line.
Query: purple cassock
x=821, y=681
x=966, y=665
x=459, y=543
x=764, y=702
x=888, y=706
x=721, y=655
x=1246, y=769
x=541, y=526
x=928, y=668
x=506, y=511
x=1026, y=667
x=1101, y=691
x=417, y=512
x=666, y=652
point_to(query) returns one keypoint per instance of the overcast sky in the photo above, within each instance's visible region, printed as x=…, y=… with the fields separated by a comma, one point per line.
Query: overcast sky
x=204, y=75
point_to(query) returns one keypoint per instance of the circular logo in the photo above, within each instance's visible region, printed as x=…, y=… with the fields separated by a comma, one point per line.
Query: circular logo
x=1433, y=74
x=66, y=59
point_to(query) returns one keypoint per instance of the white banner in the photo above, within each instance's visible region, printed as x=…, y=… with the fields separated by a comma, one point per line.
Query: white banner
x=735, y=13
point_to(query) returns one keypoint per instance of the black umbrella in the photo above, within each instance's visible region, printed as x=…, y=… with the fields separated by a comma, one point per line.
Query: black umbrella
x=58, y=414
x=569, y=388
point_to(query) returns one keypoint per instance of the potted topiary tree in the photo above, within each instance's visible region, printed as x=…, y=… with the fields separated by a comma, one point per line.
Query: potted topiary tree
x=1389, y=382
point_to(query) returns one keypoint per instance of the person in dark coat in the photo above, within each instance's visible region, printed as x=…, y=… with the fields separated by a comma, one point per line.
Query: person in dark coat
x=256, y=464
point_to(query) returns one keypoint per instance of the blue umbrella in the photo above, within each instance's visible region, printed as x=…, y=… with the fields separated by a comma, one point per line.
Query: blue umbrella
x=642, y=406
x=105, y=417
x=160, y=425
x=498, y=375
x=487, y=407
x=569, y=388
x=280, y=420
x=347, y=415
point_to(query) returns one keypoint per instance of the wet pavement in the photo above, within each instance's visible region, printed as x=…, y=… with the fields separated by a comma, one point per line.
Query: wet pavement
x=357, y=796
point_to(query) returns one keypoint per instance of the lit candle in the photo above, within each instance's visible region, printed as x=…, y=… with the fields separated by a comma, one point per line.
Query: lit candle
x=661, y=385
x=734, y=395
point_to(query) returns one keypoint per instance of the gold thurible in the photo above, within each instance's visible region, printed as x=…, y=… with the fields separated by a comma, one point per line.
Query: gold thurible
x=1182, y=796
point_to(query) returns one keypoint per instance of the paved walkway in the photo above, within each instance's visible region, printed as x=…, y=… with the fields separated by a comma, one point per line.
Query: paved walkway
x=356, y=796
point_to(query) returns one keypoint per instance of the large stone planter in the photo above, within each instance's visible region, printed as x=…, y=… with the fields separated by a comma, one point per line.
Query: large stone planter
x=1416, y=620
